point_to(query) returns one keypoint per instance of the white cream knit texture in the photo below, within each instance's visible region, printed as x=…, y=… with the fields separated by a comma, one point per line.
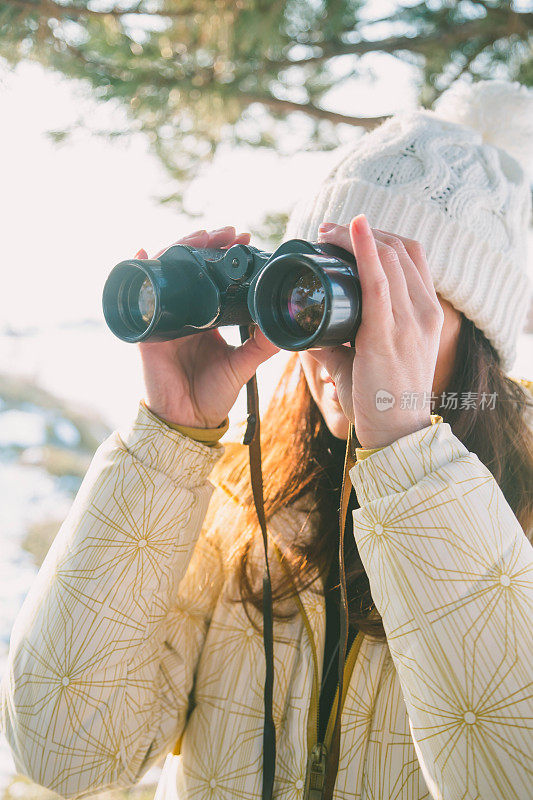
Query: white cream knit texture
x=467, y=202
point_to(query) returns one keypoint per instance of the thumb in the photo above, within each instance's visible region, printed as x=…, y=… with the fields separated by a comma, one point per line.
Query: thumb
x=248, y=356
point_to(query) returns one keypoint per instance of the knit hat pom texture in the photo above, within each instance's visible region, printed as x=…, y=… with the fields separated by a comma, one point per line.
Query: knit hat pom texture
x=502, y=112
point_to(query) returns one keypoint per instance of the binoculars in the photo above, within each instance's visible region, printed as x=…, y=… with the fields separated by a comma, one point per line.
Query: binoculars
x=302, y=295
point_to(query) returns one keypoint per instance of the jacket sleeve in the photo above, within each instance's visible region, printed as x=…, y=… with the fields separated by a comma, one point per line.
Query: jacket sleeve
x=103, y=652
x=450, y=571
x=209, y=436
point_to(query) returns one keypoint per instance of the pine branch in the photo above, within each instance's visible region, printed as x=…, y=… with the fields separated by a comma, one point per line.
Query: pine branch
x=465, y=67
x=274, y=103
x=49, y=8
x=516, y=23
x=311, y=110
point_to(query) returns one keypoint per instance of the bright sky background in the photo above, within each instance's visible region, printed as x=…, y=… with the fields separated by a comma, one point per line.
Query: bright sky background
x=71, y=212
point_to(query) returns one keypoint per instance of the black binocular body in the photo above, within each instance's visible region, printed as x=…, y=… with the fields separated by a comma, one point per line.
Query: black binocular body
x=302, y=295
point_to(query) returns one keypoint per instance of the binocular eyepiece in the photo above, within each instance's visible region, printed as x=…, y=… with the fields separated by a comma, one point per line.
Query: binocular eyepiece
x=303, y=295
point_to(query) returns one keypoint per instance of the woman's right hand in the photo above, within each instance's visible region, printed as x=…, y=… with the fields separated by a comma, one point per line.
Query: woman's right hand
x=195, y=380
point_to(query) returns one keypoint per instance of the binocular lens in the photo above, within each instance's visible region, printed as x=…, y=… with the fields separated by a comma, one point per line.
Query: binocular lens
x=305, y=301
x=147, y=301
x=136, y=301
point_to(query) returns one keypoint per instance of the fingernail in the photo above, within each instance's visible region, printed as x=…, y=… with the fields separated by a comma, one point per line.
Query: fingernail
x=141, y=253
x=360, y=223
x=195, y=234
x=326, y=226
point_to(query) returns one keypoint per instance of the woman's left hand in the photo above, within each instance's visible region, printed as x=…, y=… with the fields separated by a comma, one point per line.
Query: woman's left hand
x=397, y=342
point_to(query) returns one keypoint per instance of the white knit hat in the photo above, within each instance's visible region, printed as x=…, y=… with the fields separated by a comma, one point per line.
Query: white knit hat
x=455, y=179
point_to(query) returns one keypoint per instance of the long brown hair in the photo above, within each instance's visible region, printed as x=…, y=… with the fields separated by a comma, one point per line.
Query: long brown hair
x=299, y=458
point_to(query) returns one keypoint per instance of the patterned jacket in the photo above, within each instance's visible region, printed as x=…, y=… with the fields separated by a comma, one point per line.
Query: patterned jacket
x=129, y=649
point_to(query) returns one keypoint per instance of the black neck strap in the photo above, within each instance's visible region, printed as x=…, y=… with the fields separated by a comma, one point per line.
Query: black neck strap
x=252, y=439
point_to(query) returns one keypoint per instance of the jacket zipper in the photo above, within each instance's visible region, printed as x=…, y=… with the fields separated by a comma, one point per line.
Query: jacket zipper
x=316, y=772
x=318, y=753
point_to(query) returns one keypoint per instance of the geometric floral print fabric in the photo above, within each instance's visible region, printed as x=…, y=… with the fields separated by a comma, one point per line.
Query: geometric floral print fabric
x=128, y=642
x=451, y=574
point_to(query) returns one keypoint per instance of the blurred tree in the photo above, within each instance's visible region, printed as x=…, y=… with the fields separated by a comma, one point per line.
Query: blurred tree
x=270, y=230
x=194, y=73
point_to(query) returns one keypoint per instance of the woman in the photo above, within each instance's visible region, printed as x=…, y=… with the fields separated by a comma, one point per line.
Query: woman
x=142, y=633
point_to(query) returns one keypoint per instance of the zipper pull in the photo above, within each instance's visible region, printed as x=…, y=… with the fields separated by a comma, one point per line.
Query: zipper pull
x=316, y=772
